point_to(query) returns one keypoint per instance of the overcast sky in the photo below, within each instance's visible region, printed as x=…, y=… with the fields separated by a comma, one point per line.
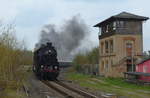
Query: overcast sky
x=30, y=15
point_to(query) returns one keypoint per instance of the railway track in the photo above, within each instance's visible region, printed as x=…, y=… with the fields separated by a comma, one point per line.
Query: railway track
x=67, y=91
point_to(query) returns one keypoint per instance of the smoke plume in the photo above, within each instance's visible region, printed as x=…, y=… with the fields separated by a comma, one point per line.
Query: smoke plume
x=66, y=39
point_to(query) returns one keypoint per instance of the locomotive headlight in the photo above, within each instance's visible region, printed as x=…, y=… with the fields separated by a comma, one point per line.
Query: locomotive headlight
x=42, y=66
x=55, y=67
x=49, y=51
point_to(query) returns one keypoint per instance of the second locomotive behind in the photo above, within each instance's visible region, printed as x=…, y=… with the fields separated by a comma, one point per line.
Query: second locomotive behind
x=46, y=66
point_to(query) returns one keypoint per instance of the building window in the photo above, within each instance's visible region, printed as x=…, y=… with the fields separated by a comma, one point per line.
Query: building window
x=102, y=67
x=102, y=47
x=100, y=31
x=137, y=68
x=145, y=69
x=106, y=46
x=129, y=49
x=111, y=46
x=129, y=45
x=121, y=24
x=114, y=25
x=111, y=62
x=103, y=29
x=107, y=28
x=106, y=66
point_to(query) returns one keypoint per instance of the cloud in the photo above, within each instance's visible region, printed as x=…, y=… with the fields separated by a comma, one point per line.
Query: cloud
x=30, y=15
x=29, y=35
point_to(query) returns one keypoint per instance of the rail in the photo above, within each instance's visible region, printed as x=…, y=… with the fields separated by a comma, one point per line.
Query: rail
x=83, y=93
x=74, y=92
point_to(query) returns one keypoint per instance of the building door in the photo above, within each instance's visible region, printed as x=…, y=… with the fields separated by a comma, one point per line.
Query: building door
x=129, y=49
x=130, y=58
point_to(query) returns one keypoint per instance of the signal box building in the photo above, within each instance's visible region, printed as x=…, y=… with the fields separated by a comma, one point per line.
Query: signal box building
x=121, y=43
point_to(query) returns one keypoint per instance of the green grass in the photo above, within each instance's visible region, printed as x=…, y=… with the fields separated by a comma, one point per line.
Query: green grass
x=121, y=83
x=9, y=93
x=111, y=85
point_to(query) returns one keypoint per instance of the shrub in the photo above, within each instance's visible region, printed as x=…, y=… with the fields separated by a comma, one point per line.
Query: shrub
x=12, y=57
x=89, y=58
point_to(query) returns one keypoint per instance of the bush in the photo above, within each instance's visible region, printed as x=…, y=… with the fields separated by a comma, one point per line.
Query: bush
x=12, y=57
x=89, y=58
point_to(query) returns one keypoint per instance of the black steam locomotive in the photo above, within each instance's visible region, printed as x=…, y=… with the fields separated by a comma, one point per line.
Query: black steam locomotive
x=45, y=63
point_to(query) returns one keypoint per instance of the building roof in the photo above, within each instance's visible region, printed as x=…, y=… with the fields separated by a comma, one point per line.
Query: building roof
x=137, y=73
x=144, y=60
x=130, y=16
x=123, y=15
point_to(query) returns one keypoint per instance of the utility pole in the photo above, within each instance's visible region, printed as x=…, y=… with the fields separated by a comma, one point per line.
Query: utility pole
x=132, y=57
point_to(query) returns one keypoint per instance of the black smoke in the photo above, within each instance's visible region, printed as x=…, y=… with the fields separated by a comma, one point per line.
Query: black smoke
x=66, y=39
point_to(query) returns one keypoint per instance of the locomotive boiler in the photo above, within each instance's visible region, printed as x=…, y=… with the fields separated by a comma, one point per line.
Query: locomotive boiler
x=45, y=63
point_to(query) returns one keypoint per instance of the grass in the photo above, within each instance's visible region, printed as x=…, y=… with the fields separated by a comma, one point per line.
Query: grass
x=11, y=93
x=111, y=85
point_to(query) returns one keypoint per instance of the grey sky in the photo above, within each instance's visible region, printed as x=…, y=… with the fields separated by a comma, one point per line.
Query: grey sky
x=31, y=15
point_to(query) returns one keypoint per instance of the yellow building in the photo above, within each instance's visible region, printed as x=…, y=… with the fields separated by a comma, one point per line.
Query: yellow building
x=121, y=43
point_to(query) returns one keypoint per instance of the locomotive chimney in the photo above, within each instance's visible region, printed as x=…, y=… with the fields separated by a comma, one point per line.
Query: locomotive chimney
x=49, y=44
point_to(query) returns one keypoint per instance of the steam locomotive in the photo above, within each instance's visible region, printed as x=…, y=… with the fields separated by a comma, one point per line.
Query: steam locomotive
x=45, y=63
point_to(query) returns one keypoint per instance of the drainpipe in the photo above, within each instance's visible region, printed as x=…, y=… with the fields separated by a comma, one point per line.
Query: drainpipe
x=132, y=57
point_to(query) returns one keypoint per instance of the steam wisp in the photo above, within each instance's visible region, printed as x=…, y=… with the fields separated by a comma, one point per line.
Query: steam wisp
x=65, y=39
